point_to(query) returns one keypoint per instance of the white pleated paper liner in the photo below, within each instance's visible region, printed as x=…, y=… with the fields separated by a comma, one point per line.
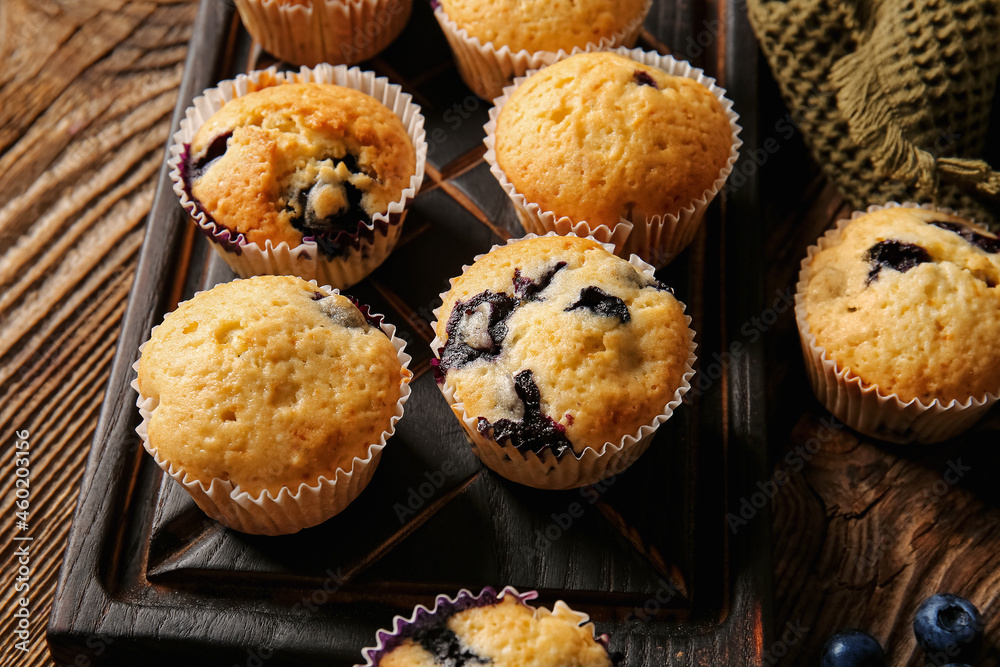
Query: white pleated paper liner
x=487, y=69
x=339, y=32
x=863, y=406
x=290, y=509
x=656, y=240
x=374, y=242
x=571, y=470
x=444, y=607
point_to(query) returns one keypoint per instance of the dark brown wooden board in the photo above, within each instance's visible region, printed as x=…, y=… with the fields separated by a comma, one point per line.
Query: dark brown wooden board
x=148, y=577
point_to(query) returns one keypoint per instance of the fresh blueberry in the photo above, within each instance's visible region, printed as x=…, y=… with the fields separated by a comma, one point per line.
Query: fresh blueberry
x=948, y=628
x=895, y=255
x=852, y=648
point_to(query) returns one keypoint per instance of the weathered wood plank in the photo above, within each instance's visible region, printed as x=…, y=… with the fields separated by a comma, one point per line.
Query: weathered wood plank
x=87, y=92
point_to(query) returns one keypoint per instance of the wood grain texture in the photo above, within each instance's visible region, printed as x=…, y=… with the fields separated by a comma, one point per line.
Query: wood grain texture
x=87, y=90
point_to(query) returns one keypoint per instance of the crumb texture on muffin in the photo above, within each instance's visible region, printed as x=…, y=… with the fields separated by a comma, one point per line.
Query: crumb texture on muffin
x=299, y=160
x=599, y=137
x=555, y=342
x=907, y=299
x=506, y=634
x=542, y=25
x=268, y=382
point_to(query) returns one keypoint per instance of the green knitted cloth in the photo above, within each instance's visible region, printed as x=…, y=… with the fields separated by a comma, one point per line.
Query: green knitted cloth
x=893, y=97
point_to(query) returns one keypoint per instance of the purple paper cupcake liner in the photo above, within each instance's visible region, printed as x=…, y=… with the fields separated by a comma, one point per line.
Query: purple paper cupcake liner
x=444, y=607
x=358, y=254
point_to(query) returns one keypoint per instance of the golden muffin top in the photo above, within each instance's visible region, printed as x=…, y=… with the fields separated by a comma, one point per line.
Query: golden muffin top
x=907, y=299
x=556, y=342
x=299, y=160
x=599, y=137
x=268, y=382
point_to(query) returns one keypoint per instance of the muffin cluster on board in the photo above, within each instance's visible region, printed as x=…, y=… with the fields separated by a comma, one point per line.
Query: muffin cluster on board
x=270, y=399
x=559, y=358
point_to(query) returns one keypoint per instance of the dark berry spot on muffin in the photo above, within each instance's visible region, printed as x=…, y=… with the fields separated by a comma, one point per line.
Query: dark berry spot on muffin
x=371, y=318
x=342, y=314
x=895, y=255
x=527, y=289
x=215, y=150
x=534, y=432
x=663, y=287
x=476, y=329
x=328, y=209
x=600, y=302
x=988, y=243
x=643, y=79
x=851, y=309
x=446, y=647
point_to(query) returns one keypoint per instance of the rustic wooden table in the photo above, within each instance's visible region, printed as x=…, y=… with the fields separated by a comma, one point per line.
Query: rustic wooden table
x=87, y=92
x=861, y=532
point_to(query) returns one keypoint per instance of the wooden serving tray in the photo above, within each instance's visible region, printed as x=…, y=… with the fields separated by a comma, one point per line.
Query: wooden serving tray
x=649, y=554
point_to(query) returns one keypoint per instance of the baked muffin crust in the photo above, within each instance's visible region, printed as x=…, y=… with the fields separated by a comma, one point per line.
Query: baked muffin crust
x=542, y=25
x=505, y=634
x=555, y=342
x=598, y=137
x=268, y=382
x=299, y=160
x=908, y=300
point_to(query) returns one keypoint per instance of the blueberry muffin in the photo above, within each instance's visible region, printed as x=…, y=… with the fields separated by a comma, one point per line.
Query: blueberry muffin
x=490, y=629
x=308, y=32
x=495, y=41
x=906, y=299
x=600, y=137
x=543, y=25
x=554, y=346
x=267, y=386
x=299, y=161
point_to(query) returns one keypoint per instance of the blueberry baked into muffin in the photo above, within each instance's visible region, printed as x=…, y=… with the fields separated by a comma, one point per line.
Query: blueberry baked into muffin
x=904, y=300
x=299, y=161
x=491, y=629
x=275, y=389
x=555, y=347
